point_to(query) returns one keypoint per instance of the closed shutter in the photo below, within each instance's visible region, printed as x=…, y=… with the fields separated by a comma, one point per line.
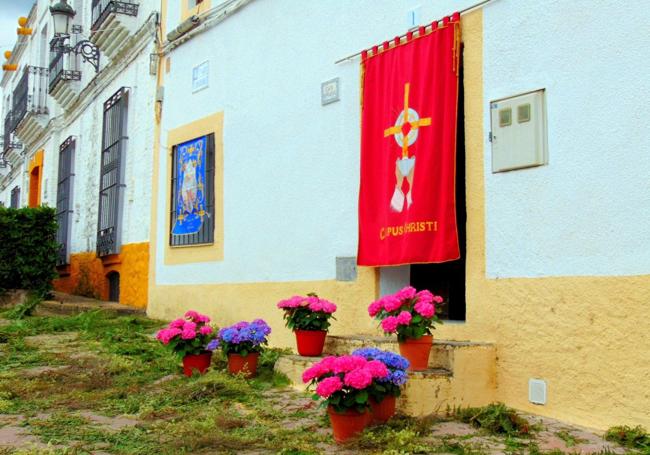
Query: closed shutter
x=64, y=199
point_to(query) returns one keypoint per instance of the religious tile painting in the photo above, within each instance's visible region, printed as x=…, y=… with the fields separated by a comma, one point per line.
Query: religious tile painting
x=189, y=187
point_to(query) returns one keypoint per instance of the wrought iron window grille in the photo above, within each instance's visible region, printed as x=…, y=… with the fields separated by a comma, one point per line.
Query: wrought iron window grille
x=64, y=193
x=30, y=94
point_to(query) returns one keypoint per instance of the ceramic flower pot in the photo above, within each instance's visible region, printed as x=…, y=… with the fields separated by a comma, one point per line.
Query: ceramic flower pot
x=348, y=424
x=247, y=365
x=417, y=351
x=384, y=410
x=310, y=342
x=198, y=362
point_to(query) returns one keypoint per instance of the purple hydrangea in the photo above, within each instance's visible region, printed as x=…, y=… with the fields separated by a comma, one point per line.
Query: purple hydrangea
x=396, y=364
x=251, y=333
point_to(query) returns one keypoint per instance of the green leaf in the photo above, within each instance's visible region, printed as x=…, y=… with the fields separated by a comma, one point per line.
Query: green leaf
x=362, y=397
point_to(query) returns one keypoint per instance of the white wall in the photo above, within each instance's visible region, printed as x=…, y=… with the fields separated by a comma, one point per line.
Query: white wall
x=291, y=166
x=588, y=211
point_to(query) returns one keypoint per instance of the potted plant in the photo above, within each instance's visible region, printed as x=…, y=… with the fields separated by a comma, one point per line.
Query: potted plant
x=309, y=318
x=344, y=383
x=412, y=316
x=187, y=337
x=242, y=343
x=384, y=391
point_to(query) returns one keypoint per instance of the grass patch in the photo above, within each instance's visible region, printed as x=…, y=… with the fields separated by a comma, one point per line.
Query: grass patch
x=496, y=418
x=632, y=437
x=24, y=309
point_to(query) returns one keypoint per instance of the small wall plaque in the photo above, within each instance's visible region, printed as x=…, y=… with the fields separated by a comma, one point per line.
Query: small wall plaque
x=329, y=91
x=200, y=76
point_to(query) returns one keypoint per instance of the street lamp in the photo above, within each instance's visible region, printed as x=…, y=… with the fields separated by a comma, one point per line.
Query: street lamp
x=62, y=14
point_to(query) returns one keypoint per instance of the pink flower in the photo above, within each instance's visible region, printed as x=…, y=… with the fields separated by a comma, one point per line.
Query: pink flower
x=315, y=371
x=201, y=319
x=425, y=309
x=189, y=326
x=191, y=314
x=347, y=363
x=321, y=305
x=425, y=296
x=205, y=330
x=406, y=293
x=177, y=324
x=391, y=303
x=359, y=378
x=328, y=362
x=375, y=307
x=389, y=324
x=437, y=299
x=166, y=335
x=404, y=318
x=188, y=334
x=292, y=302
x=328, y=307
x=377, y=369
x=328, y=386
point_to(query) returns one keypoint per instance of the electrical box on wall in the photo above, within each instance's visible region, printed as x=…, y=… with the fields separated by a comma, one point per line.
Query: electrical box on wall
x=518, y=136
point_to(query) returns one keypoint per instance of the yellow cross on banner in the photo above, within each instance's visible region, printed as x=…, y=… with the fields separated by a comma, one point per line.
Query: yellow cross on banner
x=403, y=120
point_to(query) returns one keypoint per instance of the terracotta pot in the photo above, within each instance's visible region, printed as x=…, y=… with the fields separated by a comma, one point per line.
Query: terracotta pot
x=199, y=362
x=417, y=351
x=310, y=342
x=384, y=410
x=348, y=424
x=243, y=364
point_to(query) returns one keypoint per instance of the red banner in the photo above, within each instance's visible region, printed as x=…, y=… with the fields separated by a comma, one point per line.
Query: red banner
x=407, y=207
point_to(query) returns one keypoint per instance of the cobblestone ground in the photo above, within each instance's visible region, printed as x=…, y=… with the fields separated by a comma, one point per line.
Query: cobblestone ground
x=109, y=389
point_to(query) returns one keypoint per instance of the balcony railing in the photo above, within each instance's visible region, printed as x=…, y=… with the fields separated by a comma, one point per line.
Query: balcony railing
x=64, y=66
x=9, y=141
x=30, y=95
x=103, y=8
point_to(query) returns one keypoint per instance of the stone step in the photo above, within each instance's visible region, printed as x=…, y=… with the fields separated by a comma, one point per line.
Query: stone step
x=443, y=353
x=460, y=374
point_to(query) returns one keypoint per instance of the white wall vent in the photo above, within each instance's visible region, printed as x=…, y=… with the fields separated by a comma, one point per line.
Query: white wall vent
x=537, y=391
x=518, y=133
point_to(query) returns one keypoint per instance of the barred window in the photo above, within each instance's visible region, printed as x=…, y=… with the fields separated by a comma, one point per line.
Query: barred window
x=64, y=198
x=111, y=186
x=192, y=192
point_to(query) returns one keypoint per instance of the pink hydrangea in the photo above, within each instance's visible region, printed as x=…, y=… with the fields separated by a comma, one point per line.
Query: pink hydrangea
x=292, y=302
x=315, y=371
x=375, y=307
x=377, y=369
x=329, y=362
x=389, y=325
x=177, y=324
x=205, y=330
x=359, y=378
x=437, y=299
x=404, y=318
x=328, y=386
x=188, y=334
x=347, y=363
x=189, y=326
x=191, y=314
x=425, y=296
x=391, y=303
x=166, y=335
x=321, y=305
x=425, y=309
x=202, y=319
x=406, y=293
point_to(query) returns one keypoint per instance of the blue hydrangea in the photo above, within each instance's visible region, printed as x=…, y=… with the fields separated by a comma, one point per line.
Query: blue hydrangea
x=243, y=332
x=396, y=364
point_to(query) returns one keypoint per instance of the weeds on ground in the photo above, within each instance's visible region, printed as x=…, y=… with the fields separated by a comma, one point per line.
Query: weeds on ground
x=496, y=418
x=635, y=438
x=26, y=308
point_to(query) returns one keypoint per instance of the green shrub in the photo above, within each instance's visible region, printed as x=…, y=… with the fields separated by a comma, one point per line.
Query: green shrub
x=28, y=248
x=636, y=438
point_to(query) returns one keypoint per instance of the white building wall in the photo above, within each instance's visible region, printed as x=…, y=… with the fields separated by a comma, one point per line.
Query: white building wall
x=291, y=166
x=588, y=211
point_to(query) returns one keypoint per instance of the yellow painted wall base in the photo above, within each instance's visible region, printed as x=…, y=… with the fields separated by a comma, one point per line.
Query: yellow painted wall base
x=86, y=275
x=230, y=303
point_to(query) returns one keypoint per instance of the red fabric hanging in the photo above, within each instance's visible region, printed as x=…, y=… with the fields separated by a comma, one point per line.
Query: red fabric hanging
x=407, y=210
